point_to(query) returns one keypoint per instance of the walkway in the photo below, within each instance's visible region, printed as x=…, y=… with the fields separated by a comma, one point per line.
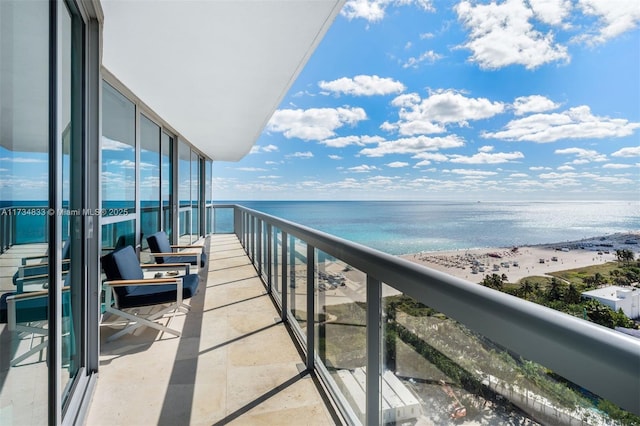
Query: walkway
x=234, y=364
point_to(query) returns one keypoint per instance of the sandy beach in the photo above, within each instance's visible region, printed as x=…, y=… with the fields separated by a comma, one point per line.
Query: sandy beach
x=520, y=262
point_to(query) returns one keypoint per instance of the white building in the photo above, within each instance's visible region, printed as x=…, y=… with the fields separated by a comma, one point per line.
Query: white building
x=615, y=297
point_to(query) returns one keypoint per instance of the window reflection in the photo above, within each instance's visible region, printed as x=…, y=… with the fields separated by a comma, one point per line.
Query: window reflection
x=150, y=219
x=118, y=152
x=24, y=186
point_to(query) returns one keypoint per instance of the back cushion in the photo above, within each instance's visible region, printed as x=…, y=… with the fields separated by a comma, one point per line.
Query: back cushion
x=128, y=264
x=161, y=242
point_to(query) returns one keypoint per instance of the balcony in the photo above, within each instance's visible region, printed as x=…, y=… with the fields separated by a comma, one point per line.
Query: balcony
x=443, y=349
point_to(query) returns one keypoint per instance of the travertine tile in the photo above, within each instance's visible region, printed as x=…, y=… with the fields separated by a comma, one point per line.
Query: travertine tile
x=235, y=362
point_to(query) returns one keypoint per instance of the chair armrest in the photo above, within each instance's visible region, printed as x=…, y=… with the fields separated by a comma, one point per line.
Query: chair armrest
x=30, y=294
x=187, y=246
x=155, y=281
x=40, y=265
x=186, y=266
x=180, y=253
x=25, y=259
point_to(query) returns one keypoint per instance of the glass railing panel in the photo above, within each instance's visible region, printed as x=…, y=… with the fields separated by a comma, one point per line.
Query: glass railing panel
x=297, y=282
x=149, y=223
x=184, y=220
x=118, y=234
x=341, y=329
x=223, y=220
x=436, y=370
x=276, y=263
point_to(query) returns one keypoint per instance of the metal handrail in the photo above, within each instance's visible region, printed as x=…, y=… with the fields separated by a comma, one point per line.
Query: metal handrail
x=594, y=357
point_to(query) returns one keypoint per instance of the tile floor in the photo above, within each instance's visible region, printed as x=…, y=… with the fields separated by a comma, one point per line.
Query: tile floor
x=235, y=363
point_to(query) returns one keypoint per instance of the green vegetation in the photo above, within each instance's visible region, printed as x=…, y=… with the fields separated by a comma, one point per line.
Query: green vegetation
x=563, y=290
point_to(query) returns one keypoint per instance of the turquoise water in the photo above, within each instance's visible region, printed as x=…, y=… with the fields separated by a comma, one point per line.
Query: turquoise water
x=413, y=226
x=401, y=227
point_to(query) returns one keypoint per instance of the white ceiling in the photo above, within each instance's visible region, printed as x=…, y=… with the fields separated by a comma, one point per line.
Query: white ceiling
x=214, y=70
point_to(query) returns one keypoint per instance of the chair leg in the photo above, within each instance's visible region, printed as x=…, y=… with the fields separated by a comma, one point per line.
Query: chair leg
x=136, y=321
x=35, y=349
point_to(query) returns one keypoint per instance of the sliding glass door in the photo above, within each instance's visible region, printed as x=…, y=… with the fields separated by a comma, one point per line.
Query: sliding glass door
x=44, y=215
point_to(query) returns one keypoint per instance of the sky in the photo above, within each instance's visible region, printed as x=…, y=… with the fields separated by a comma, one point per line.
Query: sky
x=462, y=100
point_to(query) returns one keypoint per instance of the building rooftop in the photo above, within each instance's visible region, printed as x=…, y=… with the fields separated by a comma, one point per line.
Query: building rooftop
x=612, y=292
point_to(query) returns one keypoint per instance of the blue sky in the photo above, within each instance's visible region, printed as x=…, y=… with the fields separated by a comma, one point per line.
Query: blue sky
x=507, y=100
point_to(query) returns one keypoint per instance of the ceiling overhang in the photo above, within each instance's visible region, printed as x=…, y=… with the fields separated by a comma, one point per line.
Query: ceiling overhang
x=215, y=71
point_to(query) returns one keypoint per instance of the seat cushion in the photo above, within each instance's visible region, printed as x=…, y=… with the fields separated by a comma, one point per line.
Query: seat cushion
x=192, y=260
x=147, y=295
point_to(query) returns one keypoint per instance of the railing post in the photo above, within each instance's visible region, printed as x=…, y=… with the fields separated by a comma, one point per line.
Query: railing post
x=285, y=267
x=258, y=258
x=311, y=273
x=292, y=272
x=252, y=238
x=374, y=350
x=275, y=259
x=269, y=245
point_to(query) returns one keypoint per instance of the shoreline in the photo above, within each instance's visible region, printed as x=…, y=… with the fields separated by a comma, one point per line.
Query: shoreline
x=529, y=260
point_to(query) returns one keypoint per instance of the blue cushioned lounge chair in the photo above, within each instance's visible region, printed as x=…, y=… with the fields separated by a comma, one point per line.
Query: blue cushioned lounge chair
x=27, y=315
x=38, y=273
x=127, y=288
x=164, y=252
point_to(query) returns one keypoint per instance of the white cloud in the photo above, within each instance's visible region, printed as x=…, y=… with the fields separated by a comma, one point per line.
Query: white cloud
x=575, y=123
x=413, y=145
x=518, y=175
x=615, y=180
x=584, y=155
x=360, y=140
x=473, y=173
x=501, y=35
x=426, y=116
x=487, y=158
x=304, y=155
x=565, y=168
x=258, y=148
x=250, y=169
x=429, y=56
x=486, y=148
x=113, y=145
x=431, y=156
x=428, y=157
x=397, y=164
x=22, y=160
x=313, y=123
x=127, y=164
x=551, y=12
x=374, y=10
x=631, y=151
x=615, y=17
x=335, y=157
x=534, y=103
x=362, y=169
x=617, y=166
x=538, y=168
x=363, y=85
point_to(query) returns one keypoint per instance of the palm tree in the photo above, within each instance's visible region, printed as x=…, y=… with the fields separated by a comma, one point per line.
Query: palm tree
x=526, y=289
x=555, y=290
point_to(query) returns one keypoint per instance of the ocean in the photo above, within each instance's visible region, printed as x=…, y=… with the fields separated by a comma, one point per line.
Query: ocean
x=403, y=227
